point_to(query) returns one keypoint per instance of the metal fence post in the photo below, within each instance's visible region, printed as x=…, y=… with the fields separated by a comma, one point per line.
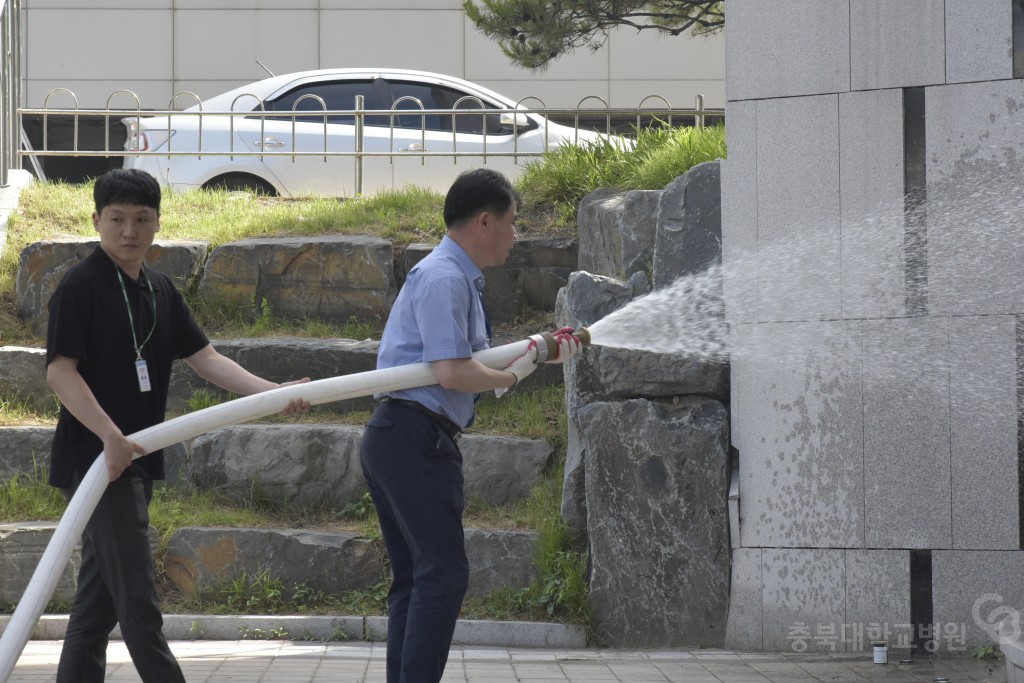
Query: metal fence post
x=698, y=112
x=360, y=101
x=10, y=86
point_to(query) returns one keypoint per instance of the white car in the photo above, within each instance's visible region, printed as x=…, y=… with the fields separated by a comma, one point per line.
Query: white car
x=204, y=145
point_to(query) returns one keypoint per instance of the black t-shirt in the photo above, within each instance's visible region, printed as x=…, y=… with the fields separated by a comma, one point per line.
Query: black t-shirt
x=89, y=322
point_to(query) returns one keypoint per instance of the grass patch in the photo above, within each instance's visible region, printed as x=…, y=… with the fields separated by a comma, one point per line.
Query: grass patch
x=27, y=496
x=553, y=186
x=16, y=411
x=230, y=321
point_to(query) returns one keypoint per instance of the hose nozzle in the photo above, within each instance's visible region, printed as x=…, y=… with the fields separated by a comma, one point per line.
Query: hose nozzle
x=547, y=346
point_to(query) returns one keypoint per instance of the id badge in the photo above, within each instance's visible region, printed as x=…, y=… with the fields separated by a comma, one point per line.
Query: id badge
x=143, y=372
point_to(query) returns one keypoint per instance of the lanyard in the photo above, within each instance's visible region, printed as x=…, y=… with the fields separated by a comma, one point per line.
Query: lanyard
x=131, y=319
x=487, y=316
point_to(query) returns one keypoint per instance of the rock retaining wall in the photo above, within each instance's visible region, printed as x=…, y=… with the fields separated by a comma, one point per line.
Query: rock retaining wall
x=332, y=278
x=303, y=465
x=647, y=461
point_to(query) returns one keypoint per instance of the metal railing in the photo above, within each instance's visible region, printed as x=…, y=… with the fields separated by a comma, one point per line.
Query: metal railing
x=10, y=86
x=469, y=115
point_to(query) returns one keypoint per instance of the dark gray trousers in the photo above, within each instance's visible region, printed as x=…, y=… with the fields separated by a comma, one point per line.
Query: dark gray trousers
x=117, y=585
x=414, y=473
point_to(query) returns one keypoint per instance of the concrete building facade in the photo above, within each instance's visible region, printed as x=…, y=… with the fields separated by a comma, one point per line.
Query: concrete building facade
x=873, y=280
x=157, y=48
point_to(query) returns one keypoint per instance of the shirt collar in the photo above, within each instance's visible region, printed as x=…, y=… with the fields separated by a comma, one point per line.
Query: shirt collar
x=108, y=262
x=472, y=272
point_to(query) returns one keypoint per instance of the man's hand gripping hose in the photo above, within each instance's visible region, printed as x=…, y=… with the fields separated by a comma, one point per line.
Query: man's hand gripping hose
x=548, y=347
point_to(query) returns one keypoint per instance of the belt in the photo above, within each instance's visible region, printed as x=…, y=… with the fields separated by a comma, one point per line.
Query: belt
x=450, y=428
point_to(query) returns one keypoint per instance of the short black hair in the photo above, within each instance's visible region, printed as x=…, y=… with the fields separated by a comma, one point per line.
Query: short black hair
x=481, y=189
x=126, y=186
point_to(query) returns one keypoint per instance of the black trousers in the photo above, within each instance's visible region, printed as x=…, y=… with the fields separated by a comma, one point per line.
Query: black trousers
x=414, y=473
x=117, y=585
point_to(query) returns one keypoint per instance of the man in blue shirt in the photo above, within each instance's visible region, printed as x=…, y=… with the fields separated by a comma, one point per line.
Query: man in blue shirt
x=409, y=453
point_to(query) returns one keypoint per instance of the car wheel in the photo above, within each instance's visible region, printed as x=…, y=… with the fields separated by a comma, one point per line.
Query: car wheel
x=240, y=182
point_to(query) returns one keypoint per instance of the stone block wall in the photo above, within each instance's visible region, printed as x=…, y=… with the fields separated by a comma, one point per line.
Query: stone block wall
x=331, y=278
x=871, y=256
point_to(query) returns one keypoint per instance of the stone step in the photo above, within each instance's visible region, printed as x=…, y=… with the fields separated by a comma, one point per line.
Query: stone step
x=279, y=359
x=198, y=558
x=302, y=465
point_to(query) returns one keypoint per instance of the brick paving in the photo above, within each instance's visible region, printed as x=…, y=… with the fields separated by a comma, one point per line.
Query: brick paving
x=248, y=661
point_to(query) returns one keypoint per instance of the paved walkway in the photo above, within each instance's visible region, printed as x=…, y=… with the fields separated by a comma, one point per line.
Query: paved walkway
x=248, y=661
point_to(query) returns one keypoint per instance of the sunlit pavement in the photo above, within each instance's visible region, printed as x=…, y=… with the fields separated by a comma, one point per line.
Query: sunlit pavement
x=362, y=662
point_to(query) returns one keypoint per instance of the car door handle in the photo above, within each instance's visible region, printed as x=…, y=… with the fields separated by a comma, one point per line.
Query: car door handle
x=268, y=143
x=413, y=147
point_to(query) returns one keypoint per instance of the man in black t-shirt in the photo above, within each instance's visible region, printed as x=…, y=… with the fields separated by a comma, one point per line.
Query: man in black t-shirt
x=115, y=327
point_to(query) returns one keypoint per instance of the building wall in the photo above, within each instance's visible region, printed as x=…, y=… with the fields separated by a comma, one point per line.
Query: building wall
x=157, y=48
x=871, y=222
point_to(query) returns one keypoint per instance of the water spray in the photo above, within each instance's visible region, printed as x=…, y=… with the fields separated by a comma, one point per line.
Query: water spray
x=83, y=503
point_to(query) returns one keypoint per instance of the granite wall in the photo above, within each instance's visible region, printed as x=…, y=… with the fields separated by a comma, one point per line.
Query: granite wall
x=872, y=275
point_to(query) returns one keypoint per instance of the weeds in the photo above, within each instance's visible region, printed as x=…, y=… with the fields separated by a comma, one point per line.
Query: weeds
x=201, y=399
x=16, y=410
x=246, y=633
x=367, y=602
x=986, y=652
x=361, y=509
x=27, y=496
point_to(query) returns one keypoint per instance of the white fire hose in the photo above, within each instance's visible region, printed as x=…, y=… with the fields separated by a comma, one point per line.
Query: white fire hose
x=83, y=503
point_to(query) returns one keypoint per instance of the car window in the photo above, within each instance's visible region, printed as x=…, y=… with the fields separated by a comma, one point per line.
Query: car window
x=336, y=95
x=442, y=97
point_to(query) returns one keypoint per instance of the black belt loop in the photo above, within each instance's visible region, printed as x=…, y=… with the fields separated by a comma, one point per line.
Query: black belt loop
x=449, y=427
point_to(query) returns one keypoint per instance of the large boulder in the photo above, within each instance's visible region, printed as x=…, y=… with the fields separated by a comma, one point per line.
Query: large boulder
x=689, y=234
x=23, y=377
x=500, y=470
x=43, y=264
x=331, y=278
x=598, y=221
x=639, y=228
x=22, y=545
x=500, y=559
x=530, y=279
x=305, y=466
x=588, y=297
x=656, y=497
x=607, y=373
x=543, y=265
x=24, y=450
x=200, y=559
x=585, y=300
x=617, y=231
x=318, y=465
x=603, y=373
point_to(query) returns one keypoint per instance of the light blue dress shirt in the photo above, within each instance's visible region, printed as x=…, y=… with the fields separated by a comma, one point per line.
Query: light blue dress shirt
x=438, y=315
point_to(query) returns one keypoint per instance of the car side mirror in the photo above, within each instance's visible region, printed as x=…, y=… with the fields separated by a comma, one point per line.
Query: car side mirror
x=516, y=121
